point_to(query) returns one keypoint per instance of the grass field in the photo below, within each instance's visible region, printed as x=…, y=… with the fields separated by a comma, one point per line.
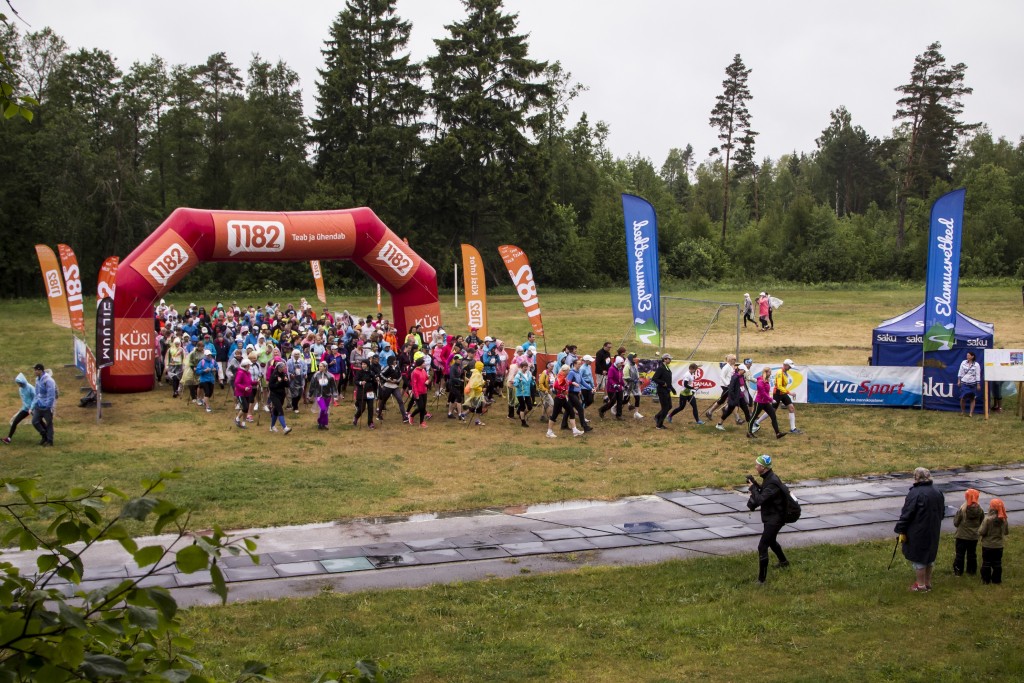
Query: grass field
x=836, y=615
x=254, y=478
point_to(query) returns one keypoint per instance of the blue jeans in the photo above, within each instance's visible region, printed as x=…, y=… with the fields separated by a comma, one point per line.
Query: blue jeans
x=42, y=420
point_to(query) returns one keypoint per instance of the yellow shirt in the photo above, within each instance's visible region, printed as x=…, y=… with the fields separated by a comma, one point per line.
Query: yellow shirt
x=782, y=382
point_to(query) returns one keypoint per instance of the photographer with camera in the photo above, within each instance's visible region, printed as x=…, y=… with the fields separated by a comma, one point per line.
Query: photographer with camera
x=772, y=496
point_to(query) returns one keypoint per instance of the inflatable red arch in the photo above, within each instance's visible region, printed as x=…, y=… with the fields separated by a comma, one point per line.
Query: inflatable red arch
x=191, y=236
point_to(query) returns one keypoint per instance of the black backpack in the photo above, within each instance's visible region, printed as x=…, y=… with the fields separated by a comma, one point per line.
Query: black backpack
x=792, y=507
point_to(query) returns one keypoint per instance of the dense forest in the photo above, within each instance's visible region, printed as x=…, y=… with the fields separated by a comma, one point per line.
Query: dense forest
x=475, y=145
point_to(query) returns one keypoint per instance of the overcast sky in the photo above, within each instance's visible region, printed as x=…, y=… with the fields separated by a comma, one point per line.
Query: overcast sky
x=653, y=67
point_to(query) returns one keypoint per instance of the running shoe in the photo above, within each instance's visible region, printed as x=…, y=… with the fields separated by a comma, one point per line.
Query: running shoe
x=551, y=435
x=719, y=427
x=288, y=430
x=795, y=431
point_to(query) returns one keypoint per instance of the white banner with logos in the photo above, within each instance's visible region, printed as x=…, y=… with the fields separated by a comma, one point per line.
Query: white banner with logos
x=1004, y=365
x=708, y=379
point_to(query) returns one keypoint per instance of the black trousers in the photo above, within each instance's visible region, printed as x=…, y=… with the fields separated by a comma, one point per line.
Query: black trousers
x=991, y=565
x=385, y=394
x=763, y=408
x=560, y=405
x=421, y=409
x=613, y=403
x=769, y=541
x=744, y=408
x=21, y=415
x=665, y=401
x=965, y=550
x=683, y=400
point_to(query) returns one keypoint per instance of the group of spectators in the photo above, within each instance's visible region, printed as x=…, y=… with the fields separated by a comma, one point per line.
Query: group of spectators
x=275, y=358
x=764, y=307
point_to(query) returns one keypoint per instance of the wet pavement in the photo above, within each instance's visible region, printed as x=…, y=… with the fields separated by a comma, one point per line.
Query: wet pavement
x=426, y=549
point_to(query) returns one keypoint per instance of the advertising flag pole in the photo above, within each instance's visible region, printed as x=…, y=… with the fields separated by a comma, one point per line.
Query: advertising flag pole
x=456, y=284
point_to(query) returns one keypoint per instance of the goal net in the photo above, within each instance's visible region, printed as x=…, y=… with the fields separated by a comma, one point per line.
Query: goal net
x=697, y=329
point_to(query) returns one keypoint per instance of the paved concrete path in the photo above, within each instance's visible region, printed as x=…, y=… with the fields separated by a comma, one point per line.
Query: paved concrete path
x=428, y=549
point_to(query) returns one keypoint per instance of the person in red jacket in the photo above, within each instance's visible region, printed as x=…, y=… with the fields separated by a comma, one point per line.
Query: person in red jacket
x=419, y=393
x=243, y=392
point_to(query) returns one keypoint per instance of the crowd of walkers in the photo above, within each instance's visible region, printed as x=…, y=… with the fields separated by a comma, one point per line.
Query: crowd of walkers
x=282, y=359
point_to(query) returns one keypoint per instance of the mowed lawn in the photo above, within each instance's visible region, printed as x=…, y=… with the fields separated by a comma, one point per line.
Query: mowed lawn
x=835, y=615
x=253, y=478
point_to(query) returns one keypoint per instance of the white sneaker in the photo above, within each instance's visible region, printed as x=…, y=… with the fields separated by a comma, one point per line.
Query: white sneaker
x=255, y=406
x=638, y=416
x=578, y=432
x=266, y=408
x=287, y=430
x=719, y=427
x=209, y=409
x=551, y=435
x=754, y=427
x=273, y=429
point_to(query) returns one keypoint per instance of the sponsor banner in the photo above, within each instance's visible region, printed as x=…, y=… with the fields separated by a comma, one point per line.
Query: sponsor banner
x=393, y=260
x=318, y=277
x=165, y=262
x=54, y=284
x=426, y=315
x=474, y=284
x=522, y=278
x=91, y=372
x=642, y=256
x=106, y=280
x=241, y=236
x=864, y=386
x=105, y=332
x=943, y=278
x=72, y=287
x=1004, y=365
x=80, y=351
x=134, y=350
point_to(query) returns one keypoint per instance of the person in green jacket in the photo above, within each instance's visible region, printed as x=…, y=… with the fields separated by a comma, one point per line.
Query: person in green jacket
x=991, y=533
x=967, y=520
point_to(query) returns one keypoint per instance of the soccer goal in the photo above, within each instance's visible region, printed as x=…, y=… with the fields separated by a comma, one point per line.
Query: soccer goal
x=700, y=329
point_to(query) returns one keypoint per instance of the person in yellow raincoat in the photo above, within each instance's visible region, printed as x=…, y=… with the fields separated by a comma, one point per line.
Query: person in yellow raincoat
x=475, y=392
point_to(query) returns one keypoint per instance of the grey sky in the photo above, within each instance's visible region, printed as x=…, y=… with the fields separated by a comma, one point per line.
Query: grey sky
x=653, y=67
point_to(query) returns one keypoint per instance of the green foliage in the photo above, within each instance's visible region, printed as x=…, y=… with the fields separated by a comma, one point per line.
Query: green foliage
x=52, y=630
x=698, y=259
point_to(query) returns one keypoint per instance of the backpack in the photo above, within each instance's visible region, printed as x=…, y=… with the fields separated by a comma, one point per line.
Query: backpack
x=792, y=508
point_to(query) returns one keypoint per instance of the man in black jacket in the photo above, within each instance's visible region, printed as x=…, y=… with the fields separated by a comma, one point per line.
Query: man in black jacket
x=919, y=527
x=662, y=379
x=772, y=496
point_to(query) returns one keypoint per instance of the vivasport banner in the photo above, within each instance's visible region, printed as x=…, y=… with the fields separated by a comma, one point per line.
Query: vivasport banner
x=642, y=257
x=864, y=385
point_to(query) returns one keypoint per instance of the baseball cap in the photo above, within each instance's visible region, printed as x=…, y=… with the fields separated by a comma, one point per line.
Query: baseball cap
x=208, y=352
x=588, y=358
x=764, y=460
x=666, y=356
x=619, y=360
x=488, y=338
x=789, y=362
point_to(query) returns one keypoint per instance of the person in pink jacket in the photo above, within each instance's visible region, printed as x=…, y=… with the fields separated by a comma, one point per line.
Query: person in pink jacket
x=763, y=404
x=614, y=386
x=243, y=392
x=419, y=393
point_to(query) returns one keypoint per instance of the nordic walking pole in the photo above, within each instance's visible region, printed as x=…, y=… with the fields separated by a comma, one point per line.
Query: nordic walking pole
x=893, y=559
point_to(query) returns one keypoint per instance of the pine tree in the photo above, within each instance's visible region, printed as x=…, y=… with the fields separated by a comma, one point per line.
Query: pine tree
x=369, y=110
x=486, y=94
x=732, y=119
x=929, y=111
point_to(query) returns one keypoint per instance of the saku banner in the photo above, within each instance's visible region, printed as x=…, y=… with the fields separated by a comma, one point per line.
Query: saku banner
x=943, y=278
x=522, y=277
x=475, y=286
x=642, y=256
x=864, y=386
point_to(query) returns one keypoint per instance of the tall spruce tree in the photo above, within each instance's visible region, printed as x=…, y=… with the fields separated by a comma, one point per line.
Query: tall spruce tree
x=732, y=120
x=486, y=94
x=929, y=112
x=369, y=110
